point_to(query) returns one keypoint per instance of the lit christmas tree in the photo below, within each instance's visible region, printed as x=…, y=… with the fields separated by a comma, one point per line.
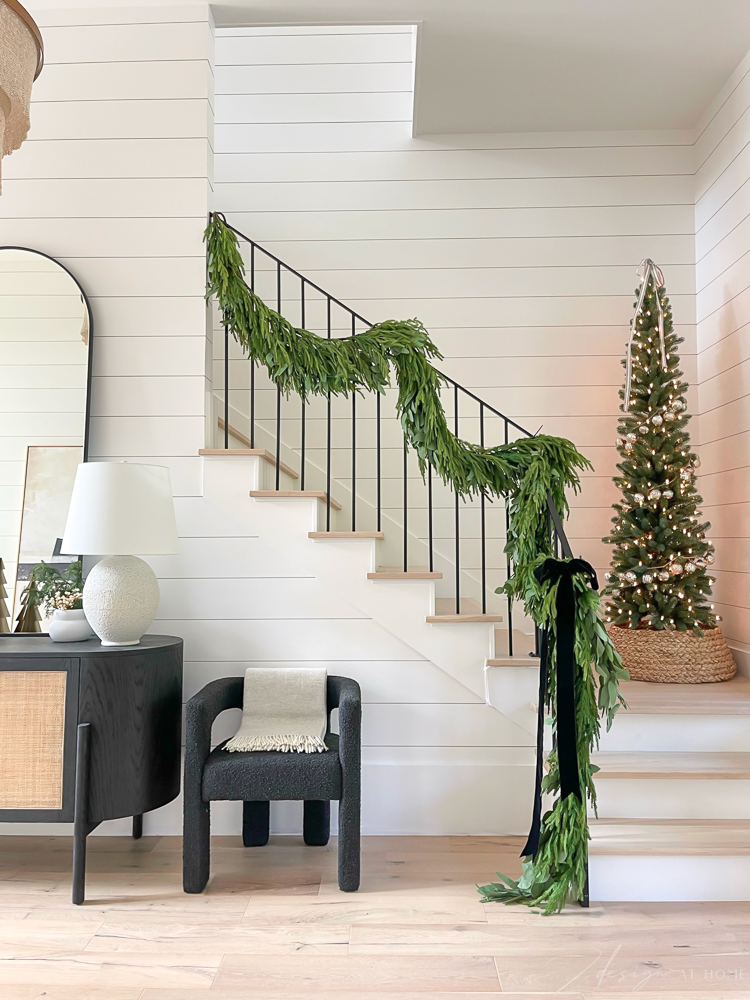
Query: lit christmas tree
x=658, y=578
x=4, y=624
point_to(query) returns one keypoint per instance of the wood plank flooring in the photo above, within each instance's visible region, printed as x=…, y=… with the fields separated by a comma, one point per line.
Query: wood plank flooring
x=273, y=925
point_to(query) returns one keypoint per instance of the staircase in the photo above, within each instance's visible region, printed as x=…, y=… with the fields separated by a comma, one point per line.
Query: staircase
x=674, y=795
x=334, y=492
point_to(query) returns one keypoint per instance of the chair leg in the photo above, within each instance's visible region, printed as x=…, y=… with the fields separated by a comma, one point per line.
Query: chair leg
x=316, y=823
x=349, y=844
x=256, y=822
x=196, y=845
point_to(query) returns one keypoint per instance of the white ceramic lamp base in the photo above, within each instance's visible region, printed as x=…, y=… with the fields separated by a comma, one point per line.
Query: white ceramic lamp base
x=120, y=599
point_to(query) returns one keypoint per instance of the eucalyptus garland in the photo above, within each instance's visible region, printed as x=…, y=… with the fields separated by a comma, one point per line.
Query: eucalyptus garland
x=527, y=471
x=557, y=874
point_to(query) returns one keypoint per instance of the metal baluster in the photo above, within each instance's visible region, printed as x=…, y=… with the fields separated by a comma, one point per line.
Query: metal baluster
x=328, y=438
x=354, y=444
x=458, y=543
x=429, y=516
x=377, y=459
x=507, y=562
x=226, y=386
x=302, y=324
x=252, y=360
x=278, y=387
x=406, y=509
x=483, y=519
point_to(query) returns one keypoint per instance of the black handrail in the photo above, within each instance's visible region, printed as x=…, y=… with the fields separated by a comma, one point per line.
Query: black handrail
x=557, y=533
x=356, y=316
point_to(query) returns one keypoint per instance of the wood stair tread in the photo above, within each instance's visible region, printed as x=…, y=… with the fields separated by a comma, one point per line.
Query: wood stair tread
x=396, y=573
x=294, y=495
x=723, y=698
x=470, y=612
x=523, y=645
x=669, y=836
x=267, y=456
x=517, y=660
x=345, y=534
x=679, y=765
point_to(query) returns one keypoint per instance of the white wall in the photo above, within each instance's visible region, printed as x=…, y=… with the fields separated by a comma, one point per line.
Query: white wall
x=114, y=181
x=722, y=242
x=518, y=252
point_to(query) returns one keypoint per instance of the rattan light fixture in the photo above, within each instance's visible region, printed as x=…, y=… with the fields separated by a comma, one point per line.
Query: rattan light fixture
x=21, y=61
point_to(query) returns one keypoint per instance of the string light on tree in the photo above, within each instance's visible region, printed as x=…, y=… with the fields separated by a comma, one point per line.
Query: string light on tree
x=657, y=534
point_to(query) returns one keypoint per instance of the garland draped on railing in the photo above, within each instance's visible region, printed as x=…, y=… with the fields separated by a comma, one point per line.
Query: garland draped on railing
x=527, y=471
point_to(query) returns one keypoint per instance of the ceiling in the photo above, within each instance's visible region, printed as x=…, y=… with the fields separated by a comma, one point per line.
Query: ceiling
x=547, y=65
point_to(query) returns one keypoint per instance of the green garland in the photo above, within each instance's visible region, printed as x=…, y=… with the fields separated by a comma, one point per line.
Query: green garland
x=527, y=470
x=558, y=872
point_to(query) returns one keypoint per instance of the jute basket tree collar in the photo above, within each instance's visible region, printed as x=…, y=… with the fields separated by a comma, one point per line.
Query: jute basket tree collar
x=659, y=580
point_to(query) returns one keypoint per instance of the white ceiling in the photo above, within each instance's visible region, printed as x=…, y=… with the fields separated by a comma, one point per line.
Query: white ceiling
x=547, y=65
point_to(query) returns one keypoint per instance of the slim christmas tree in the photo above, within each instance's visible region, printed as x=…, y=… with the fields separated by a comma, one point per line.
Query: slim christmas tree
x=28, y=617
x=4, y=615
x=658, y=577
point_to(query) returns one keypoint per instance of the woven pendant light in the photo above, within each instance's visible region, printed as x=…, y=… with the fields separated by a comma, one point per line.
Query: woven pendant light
x=21, y=60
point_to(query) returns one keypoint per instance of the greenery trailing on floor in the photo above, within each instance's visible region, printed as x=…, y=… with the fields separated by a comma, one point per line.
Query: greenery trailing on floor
x=557, y=874
x=527, y=470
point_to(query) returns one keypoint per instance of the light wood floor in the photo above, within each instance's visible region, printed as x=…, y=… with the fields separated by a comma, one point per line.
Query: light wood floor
x=272, y=925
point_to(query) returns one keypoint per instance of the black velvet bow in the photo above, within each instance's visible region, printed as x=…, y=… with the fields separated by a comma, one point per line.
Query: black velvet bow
x=560, y=571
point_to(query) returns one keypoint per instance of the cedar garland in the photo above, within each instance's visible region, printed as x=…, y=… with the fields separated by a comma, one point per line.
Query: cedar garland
x=526, y=470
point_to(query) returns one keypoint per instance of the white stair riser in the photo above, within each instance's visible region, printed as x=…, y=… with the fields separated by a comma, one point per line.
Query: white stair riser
x=400, y=606
x=706, y=733
x=650, y=878
x=514, y=692
x=670, y=798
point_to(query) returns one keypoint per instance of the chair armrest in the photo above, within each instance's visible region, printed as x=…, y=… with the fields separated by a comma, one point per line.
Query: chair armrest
x=200, y=713
x=344, y=693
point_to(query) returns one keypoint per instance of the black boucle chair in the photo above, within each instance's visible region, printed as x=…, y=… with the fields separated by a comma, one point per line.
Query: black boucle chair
x=259, y=777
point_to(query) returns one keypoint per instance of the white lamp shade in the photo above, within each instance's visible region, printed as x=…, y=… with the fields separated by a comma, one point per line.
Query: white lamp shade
x=119, y=508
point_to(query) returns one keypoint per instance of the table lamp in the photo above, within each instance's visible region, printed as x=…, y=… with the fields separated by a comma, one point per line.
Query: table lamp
x=118, y=509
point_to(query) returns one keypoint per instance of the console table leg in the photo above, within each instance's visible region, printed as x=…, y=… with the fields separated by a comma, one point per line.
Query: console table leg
x=81, y=825
x=138, y=827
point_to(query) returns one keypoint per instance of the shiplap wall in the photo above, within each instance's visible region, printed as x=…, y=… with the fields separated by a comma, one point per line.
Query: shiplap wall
x=114, y=180
x=722, y=227
x=518, y=252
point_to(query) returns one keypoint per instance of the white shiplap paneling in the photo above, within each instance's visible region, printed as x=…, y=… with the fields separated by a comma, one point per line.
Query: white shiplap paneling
x=722, y=244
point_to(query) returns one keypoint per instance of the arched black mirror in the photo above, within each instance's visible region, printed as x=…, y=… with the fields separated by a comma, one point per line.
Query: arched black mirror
x=46, y=331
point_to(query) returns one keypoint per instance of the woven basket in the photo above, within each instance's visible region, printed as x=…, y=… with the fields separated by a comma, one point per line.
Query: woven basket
x=671, y=657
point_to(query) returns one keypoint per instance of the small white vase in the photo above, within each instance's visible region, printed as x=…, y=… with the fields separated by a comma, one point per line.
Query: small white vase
x=69, y=626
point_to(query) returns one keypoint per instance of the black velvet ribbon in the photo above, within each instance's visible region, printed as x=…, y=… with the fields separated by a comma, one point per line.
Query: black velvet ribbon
x=560, y=571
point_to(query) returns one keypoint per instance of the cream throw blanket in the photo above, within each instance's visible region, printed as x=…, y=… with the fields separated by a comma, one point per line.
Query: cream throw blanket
x=284, y=708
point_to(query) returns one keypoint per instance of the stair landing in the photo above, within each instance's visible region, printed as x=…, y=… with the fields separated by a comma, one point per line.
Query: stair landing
x=724, y=698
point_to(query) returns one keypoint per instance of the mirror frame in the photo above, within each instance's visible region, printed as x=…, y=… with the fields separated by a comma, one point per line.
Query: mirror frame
x=89, y=369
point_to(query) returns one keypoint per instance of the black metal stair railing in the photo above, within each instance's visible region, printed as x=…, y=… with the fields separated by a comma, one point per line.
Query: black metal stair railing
x=422, y=508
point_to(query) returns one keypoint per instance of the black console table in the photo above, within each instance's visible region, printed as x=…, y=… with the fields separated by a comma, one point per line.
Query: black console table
x=88, y=733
